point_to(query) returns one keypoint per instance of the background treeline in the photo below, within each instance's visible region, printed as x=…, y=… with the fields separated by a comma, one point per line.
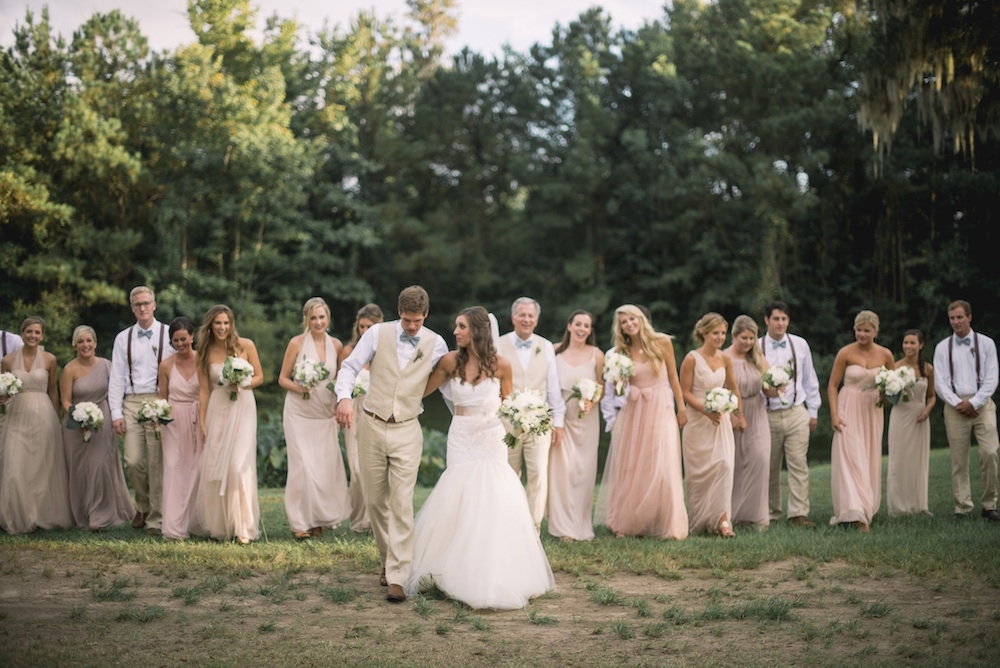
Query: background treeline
x=708, y=160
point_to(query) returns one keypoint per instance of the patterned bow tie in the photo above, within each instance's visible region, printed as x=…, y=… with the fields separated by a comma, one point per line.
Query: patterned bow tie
x=778, y=344
x=967, y=341
x=412, y=340
x=522, y=343
x=147, y=334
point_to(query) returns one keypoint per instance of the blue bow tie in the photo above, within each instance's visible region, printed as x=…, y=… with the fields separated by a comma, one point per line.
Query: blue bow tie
x=967, y=341
x=147, y=334
x=778, y=344
x=412, y=340
x=521, y=343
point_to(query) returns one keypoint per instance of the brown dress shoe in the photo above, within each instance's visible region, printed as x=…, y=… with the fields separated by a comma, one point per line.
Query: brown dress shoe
x=381, y=579
x=802, y=522
x=139, y=520
x=991, y=515
x=395, y=594
x=316, y=532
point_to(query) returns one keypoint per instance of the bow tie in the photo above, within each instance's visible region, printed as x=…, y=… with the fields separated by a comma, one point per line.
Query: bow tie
x=522, y=343
x=967, y=341
x=147, y=334
x=778, y=344
x=412, y=340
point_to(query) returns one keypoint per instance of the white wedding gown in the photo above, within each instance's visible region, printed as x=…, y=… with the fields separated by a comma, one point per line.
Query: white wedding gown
x=474, y=536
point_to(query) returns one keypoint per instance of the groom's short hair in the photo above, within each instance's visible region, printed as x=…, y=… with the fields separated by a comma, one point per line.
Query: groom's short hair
x=414, y=299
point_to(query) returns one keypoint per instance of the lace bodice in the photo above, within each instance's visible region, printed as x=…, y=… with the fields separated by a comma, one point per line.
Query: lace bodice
x=475, y=432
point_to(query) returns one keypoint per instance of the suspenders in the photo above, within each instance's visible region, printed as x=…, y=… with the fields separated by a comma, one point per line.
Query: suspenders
x=951, y=362
x=159, y=356
x=795, y=365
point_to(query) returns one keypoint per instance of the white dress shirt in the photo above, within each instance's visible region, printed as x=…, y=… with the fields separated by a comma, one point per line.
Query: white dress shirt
x=553, y=394
x=806, y=388
x=963, y=360
x=145, y=364
x=11, y=342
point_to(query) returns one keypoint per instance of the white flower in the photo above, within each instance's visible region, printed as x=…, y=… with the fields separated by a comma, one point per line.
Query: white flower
x=9, y=386
x=618, y=368
x=309, y=373
x=236, y=371
x=361, y=383
x=775, y=378
x=156, y=412
x=524, y=412
x=90, y=416
x=720, y=400
x=586, y=389
x=893, y=383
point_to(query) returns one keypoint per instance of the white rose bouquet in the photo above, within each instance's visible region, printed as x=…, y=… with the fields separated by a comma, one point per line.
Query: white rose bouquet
x=720, y=400
x=236, y=371
x=361, y=384
x=586, y=389
x=775, y=378
x=309, y=373
x=156, y=411
x=893, y=383
x=9, y=386
x=86, y=416
x=524, y=412
x=618, y=368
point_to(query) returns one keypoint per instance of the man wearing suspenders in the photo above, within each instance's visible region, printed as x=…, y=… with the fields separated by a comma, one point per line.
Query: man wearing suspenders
x=135, y=363
x=965, y=377
x=792, y=418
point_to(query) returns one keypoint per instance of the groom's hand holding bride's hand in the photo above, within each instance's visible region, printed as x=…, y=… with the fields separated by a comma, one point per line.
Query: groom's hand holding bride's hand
x=345, y=413
x=557, y=436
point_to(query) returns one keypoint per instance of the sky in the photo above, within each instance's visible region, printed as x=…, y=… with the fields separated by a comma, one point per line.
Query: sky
x=483, y=25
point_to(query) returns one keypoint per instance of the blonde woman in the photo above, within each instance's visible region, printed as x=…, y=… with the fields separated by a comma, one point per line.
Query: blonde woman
x=751, y=463
x=856, y=457
x=316, y=489
x=642, y=492
x=708, y=438
x=226, y=504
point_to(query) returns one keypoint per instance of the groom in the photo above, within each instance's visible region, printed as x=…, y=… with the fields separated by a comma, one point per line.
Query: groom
x=390, y=442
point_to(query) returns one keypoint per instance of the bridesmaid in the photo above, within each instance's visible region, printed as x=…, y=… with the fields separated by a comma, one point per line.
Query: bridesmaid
x=573, y=465
x=641, y=493
x=910, y=434
x=316, y=489
x=182, y=442
x=709, y=445
x=226, y=490
x=752, y=445
x=34, y=489
x=856, y=458
x=98, y=494
x=368, y=315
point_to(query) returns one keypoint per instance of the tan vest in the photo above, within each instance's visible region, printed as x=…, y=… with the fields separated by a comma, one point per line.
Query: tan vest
x=394, y=392
x=536, y=375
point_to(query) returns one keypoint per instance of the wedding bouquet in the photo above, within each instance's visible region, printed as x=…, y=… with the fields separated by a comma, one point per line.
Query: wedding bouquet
x=361, y=384
x=86, y=416
x=157, y=411
x=893, y=383
x=236, y=371
x=309, y=373
x=524, y=412
x=618, y=368
x=721, y=400
x=777, y=377
x=586, y=390
x=9, y=386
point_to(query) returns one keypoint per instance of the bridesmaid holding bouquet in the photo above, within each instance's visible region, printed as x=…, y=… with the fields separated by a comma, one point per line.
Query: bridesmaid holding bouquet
x=910, y=434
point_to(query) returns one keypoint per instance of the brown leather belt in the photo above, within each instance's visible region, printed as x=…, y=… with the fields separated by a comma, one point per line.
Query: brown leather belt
x=391, y=419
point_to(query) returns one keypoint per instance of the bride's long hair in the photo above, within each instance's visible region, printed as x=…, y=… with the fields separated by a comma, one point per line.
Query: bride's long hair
x=482, y=345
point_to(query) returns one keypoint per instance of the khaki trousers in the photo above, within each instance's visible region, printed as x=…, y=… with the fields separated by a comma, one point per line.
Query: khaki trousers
x=534, y=450
x=143, y=461
x=960, y=430
x=789, y=438
x=390, y=460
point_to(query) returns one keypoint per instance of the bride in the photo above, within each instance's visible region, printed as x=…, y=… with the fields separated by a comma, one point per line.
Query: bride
x=474, y=536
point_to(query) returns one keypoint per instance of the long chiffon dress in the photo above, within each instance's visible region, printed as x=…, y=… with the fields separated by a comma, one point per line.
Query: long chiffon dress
x=34, y=488
x=182, y=449
x=474, y=538
x=359, y=509
x=316, y=488
x=573, y=465
x=708, y=456
x=909, y=454
x=642, y=492
x=226, y=491
x=856, y=457
x=752, y=448
x=98, y=494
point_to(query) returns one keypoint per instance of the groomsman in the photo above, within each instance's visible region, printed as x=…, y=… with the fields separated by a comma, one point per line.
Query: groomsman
x=792, y=417
x=965, y=377
x=135, y=364
x=390, y=441
x=533, y=361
